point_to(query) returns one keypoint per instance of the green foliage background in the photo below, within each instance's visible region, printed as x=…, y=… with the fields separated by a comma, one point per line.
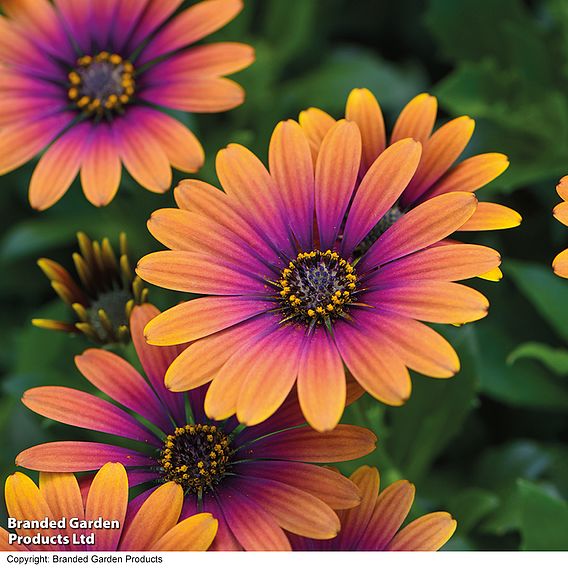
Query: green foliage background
x=489, y=445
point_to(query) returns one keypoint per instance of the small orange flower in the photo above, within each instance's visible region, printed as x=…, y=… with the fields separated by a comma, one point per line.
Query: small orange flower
x=560, y=263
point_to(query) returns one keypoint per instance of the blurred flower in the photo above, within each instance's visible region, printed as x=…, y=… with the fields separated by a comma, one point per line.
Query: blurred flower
x=256, y=481
x=374, y=525
x=560, y=263
x=107, y=292
x=145, y=524
x=436, y=174
x=87, y=82
x=287, y=299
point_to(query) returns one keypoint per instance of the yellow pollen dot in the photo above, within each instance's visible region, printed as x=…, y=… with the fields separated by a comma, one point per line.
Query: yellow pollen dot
x=73, y=93
x=115, y=59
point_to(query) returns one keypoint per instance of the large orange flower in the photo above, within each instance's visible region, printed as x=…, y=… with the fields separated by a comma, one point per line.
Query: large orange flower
x=560, y=263
x=437, y=172
x=87, y=81
x=288, y=292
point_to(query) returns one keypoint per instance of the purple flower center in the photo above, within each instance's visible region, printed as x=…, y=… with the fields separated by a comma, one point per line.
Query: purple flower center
x=196, y=457
x=101, y=84
x=317, y=287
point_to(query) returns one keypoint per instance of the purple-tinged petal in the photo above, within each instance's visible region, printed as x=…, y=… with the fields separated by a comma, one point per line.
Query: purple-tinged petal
x=84, y=410
x=79, y=456
x=118, y=379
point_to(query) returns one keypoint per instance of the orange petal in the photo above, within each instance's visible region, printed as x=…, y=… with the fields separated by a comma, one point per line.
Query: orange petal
x=343, y=443
x=183, y=149
x=336, y=173
x=21, y=142
x=471, y=174
x=200, y=361
x=416, y=119
x=375, y=366
x=560, y=264
x=203, y=94
x=292, y=169
x=382, y=185
x=316, y=123
x=421, y=227
x=223, y=393
x=427, y=533
x=101, y=169
x=141, y=153
x=270, y=379
x=198, y=318
x=191, y=25
x=196, y=273
x=188, y=231
x=25, y=501
x=217, y=206
x=58, y=167
x=363, y=109
x=254, y=528
x=441, y=150
x=108, y=498
x=419, y=346
x=355, y=521
x=491, y=216
x=157, y=515
x=61, y=492
x=212, y=60
x=391, y=509
x=194, y=534
x=436, y=302
x=561, y=212
x=562, y=188
x=6, y=546
x=324, y=483
x=449, y=262
x=244, y=177
x=321, y=382
x=293, y=509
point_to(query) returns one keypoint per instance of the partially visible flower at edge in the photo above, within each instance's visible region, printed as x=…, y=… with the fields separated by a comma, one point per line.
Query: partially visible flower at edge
x=103, y=299
x=88, y=82
x=256, y=481
x=375, y=523
x=437, y=172
x=152, y=526
x=560, y=263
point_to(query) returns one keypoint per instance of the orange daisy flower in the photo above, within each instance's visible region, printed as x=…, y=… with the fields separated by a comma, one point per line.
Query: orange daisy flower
x=88, y=82
x=288, y=294
x=143, y=524
x=437, y=172
x=560, y=263
x=375, y=523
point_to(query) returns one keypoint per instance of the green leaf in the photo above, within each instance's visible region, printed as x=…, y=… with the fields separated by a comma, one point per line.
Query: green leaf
x=547, y=292
x=544, y=518
x=471, y=506
x=433, y=416
x=327, y=87
x=554, y=359
x=518, y=383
